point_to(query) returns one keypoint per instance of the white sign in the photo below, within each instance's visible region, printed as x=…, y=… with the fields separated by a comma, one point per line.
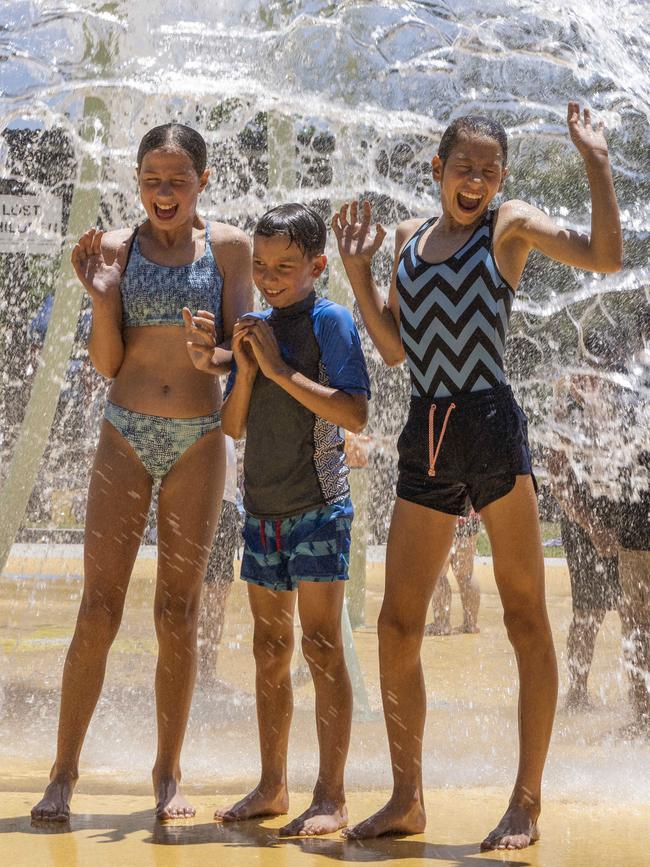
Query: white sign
x=30, y=224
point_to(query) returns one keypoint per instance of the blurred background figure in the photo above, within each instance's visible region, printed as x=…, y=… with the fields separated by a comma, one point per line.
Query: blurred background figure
x=461, y=560
x=599, y=476
x=634, y=534
x=587, y=523
x=220, y=573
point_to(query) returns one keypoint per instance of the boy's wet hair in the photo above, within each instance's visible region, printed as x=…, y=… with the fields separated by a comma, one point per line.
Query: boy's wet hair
x=473, y=124
x=301, y=225
x=179, y=137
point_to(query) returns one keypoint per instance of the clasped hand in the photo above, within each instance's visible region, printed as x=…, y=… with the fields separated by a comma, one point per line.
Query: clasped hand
x=255, y=346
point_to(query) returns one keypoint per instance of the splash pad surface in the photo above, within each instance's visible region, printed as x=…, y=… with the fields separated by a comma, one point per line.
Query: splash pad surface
x=112, y=829
x=596, y=796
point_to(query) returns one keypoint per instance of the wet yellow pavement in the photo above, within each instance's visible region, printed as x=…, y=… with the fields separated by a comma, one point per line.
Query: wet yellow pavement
x=597, y=787
x=114, y=831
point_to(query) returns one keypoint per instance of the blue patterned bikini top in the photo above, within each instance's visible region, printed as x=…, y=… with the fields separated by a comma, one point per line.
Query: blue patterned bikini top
x=454, y=316
x=155, y=294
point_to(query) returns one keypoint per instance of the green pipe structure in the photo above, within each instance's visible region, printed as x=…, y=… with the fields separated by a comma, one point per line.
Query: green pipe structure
x=35, y=429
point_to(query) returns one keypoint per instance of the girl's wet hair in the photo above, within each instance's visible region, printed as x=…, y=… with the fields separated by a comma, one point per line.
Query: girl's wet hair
x=179, y=137
x=301, y=225
x=473, y=124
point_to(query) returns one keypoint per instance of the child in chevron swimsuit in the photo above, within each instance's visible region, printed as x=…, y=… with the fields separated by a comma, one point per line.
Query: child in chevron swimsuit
x=161, y=425
x=465, y=440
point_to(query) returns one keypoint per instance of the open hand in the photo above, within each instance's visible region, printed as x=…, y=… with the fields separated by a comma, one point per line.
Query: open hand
x=99, y=279
x=589, y=140
x=355, y=239
x=201, y=338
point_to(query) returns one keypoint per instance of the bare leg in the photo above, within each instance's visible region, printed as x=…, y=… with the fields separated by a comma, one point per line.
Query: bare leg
x=188, y=508
x=634, y=574
x=580, y=644
x=512, y=524
x=320, y=606
x=462, y=564
x=273, y=613
x=118, y=502
x=418, y=545
x=441, y=607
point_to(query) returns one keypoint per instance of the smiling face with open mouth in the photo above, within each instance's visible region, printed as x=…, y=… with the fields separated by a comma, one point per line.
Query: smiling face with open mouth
x=169, y=187
x=469, y=178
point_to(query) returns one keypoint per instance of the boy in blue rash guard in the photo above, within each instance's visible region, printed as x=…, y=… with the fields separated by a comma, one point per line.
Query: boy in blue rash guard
x=299, y=376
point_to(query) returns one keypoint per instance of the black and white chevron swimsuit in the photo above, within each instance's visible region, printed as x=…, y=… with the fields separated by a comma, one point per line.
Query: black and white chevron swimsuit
x=454, y=319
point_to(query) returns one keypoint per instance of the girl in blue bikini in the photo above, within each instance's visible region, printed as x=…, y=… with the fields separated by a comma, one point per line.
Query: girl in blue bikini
x=465, y=441
x=161, y=424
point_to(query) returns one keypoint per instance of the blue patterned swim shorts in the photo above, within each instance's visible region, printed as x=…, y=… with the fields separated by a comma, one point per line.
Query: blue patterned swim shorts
x=312, y=546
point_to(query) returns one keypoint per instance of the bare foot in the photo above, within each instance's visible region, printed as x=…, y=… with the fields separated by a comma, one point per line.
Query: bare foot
x=171, y=803
x=638, y=729
x=577, y=700
x=516, y=830
x=322, y=817
x=54, y=806
x=470, y=628
x=259, y=802
x=394, y=818
x=436, y=628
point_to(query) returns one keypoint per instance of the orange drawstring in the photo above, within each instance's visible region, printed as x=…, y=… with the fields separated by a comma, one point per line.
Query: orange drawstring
x=263, y=535
x=433, y=451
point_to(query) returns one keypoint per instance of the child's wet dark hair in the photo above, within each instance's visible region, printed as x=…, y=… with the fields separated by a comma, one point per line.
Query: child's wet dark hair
x=473, y=124
x=301, y=225
x=179, y=137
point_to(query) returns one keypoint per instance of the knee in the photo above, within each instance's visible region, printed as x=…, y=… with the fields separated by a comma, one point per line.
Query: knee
x=400, y=640
x=323, y=652
x=99, y=620
x=176, y=616
x=272, y=651
x=527, y=624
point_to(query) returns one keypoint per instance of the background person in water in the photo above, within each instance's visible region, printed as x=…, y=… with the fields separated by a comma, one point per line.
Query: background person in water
x=465, y=441
x=219, y=574
x=161, y=424
x=587, y=418
x=461, y=562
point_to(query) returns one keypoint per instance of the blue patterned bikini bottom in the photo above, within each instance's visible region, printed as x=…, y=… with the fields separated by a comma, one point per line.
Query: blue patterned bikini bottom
x=159, y=441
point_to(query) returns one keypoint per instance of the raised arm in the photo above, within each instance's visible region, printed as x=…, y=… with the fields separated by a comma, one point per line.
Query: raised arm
x=232, y=250
x=357, y=246
x=99, y=260
x=522, y=227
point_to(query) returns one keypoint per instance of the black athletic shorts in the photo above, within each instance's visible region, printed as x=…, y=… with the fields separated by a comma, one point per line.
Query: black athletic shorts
x=464, y=450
